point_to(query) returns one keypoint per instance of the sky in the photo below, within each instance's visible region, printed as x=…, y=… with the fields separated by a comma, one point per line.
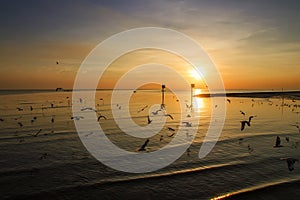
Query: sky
x=254, y=44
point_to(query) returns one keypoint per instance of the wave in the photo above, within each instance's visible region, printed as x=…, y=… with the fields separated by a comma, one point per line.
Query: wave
x=281, y=189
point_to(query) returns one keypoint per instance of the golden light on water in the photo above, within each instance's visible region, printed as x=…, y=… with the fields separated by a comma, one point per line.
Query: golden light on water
x=197, y=101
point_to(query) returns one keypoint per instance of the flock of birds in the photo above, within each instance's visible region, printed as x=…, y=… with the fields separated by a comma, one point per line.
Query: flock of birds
x=290, y=161
x=149, y=120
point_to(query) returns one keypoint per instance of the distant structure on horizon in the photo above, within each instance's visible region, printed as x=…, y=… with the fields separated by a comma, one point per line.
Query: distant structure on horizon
x=59, y=89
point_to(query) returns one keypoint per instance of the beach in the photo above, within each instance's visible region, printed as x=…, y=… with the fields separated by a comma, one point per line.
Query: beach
x=44, y=157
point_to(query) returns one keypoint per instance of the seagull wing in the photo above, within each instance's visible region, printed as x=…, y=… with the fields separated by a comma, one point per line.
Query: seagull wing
x=170, y=116
x=290, y=163
x=243, y=125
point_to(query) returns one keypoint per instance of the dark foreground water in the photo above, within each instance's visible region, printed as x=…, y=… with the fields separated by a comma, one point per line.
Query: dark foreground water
x=54, y=164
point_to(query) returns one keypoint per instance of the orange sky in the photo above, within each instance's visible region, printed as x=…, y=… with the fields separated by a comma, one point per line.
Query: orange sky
x=253, y=47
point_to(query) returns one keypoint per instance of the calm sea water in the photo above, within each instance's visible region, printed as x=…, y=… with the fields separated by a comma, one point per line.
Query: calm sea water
x=55, y=164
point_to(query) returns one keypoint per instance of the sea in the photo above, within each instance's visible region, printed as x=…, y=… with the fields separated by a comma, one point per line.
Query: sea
x=42, y=155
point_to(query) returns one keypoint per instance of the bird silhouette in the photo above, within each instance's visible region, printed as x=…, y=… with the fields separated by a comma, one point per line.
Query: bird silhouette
x=278, y=142
x=161, y=138
x=77, y=117
x=168, y=115
x=187, y=124
x=287, y=139
x=290, y=162
x=171, y=129
x=19, y=109
x=142, y=109
x=88, y=108
x=35, y=135
x=250, y=149
x=297, y=126
x=143, y=147
x=243, y=123
x=188, y=151
x=44, y=155
x=250, y=118
x=171, y=135
x=156, y=112
x=149, y=120
x=101, y=116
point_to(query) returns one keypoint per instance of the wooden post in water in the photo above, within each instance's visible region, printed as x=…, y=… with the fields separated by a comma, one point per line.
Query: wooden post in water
x=163, y=87
x=192, y=94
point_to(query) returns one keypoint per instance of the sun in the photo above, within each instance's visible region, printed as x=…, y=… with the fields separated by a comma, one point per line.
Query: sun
x=195, y=74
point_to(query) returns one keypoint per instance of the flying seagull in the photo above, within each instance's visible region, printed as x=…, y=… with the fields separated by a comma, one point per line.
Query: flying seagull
x=171, y=129
x=142, y=148
x=243, y=123
x=77, y=117
x=250, y=118
x=156, y=112
x=20, y=124
x=187, y=124
x=278, y=141
x=149, y=120
x=297, y=126
x=101, y=116
x=168, y=115
x=290, y=162
x=88, y=108
x=35, y=135
x=142, y=109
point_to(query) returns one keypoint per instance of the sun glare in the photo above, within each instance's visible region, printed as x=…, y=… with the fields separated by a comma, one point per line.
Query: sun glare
x=195, y=74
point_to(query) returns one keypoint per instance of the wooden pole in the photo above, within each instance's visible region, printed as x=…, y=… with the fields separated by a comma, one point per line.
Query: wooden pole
x=163, y=96
x=192, y=94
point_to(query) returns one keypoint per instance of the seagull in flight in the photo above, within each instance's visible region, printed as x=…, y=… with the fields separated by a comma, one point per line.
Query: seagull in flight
x=149, y=120
x=143, y=147
x=171, y=129
x=187, y=124
x=297, y=126
x=35, y=135
x=156, y=112
x=101, y=116
x=88, y=108
x=290, y=162
x=168, y=115
x=243, y=123
x=77, y=117
x=250, y=118
x=142, y=109
x=278, y=142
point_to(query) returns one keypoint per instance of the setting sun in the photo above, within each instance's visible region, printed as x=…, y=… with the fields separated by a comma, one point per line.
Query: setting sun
x=195, y=74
